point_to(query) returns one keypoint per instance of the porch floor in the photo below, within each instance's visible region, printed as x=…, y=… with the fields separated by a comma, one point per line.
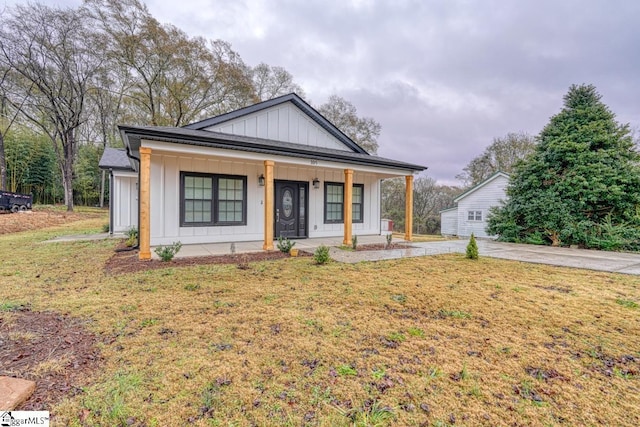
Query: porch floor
x=308, y=245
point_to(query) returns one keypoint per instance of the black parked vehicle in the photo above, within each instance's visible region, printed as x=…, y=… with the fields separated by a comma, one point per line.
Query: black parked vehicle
x=14, y=202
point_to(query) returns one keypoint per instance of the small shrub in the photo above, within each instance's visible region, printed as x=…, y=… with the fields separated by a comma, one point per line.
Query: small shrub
x=285, y=245
x=321, y=255
x=354, y=243
x=105, y=228
x=132, y=237
x=166, y=253
x=472, y=248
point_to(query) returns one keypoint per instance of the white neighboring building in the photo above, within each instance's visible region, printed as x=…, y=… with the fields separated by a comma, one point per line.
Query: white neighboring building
x=470, y=214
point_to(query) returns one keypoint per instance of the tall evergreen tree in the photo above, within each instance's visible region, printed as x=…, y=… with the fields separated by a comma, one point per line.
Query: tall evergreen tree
x=581, y=186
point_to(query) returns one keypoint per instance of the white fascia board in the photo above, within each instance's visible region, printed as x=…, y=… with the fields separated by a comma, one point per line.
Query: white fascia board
x=186, y=149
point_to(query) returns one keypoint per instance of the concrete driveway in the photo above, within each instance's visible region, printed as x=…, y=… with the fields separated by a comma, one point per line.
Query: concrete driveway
x=615, y=262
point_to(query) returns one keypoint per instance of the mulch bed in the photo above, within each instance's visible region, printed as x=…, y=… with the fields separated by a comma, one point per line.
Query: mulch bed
x=29, y=338
x=123, y=262
x=126, y=261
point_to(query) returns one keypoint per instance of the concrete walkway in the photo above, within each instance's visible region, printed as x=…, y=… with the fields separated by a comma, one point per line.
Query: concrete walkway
x=614, y=262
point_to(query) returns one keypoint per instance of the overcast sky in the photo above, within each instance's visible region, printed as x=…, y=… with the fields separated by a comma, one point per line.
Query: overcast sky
x=443, y=78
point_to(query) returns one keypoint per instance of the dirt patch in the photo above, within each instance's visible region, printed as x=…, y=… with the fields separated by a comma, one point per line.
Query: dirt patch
x=55, y=351
x=38, y=219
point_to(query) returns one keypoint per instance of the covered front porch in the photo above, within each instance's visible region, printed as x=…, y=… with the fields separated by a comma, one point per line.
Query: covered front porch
x=265, y=204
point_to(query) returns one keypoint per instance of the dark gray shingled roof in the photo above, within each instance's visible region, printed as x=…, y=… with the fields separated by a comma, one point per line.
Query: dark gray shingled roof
x=133, y=134
x=115, y=158
x=293, y=98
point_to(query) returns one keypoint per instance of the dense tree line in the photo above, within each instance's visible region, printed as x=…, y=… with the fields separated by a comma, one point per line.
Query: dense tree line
x=429, y=198
x=69, y=76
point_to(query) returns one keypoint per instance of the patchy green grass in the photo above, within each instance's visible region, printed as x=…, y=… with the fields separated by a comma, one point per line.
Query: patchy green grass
x=12, y=306
x=627, y=303
x=423, y=341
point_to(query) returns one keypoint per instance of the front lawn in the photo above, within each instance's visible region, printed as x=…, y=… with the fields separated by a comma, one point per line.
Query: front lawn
x=434, y=341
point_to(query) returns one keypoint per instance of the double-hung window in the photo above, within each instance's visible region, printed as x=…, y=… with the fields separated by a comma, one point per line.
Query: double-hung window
x=474, y=215
x=358, y=203
x=209, y=199
x=334, y=203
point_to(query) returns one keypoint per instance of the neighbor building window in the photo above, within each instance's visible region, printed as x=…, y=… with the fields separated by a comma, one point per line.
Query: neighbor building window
x=208, y=199
x=334, y=203
x=475, y=216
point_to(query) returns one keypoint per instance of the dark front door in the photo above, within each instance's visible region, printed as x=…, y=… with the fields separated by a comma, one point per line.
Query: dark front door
x=290, y=205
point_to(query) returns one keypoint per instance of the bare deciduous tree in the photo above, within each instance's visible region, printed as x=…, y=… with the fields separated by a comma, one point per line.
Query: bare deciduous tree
x=270, y=82
x=173, y=79
x=364, y=131
x=8, y=116
x=51, y=52
x=429, y=198
x=501, y=155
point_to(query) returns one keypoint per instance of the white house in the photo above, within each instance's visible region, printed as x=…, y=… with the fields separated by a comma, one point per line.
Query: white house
x=277, y=168
x=470, y=214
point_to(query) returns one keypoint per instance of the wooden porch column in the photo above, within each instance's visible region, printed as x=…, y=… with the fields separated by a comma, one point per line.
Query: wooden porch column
x=348, y=206
x=408, y=209
x=268, y=205
x=144, y=228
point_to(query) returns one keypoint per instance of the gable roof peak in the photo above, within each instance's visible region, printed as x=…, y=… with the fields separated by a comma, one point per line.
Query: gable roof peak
x=294, y=99
x=482, y=184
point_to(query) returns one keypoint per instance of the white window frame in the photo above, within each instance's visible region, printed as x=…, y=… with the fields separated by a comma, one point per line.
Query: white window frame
x=474, y=215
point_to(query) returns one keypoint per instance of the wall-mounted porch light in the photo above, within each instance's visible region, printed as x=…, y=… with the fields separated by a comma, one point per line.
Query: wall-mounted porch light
x=261, y=180
x=316, y=183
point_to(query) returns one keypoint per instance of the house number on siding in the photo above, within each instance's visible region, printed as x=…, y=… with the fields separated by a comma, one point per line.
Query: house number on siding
x=314, y=162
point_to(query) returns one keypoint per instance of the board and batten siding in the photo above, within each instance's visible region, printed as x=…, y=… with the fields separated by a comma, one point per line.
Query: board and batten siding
x=481, y=199
x=124, y=200
x=165, y=199
x=283, y=122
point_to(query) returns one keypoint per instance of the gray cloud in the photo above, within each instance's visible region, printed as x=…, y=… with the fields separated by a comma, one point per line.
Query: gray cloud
x=443, y=77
